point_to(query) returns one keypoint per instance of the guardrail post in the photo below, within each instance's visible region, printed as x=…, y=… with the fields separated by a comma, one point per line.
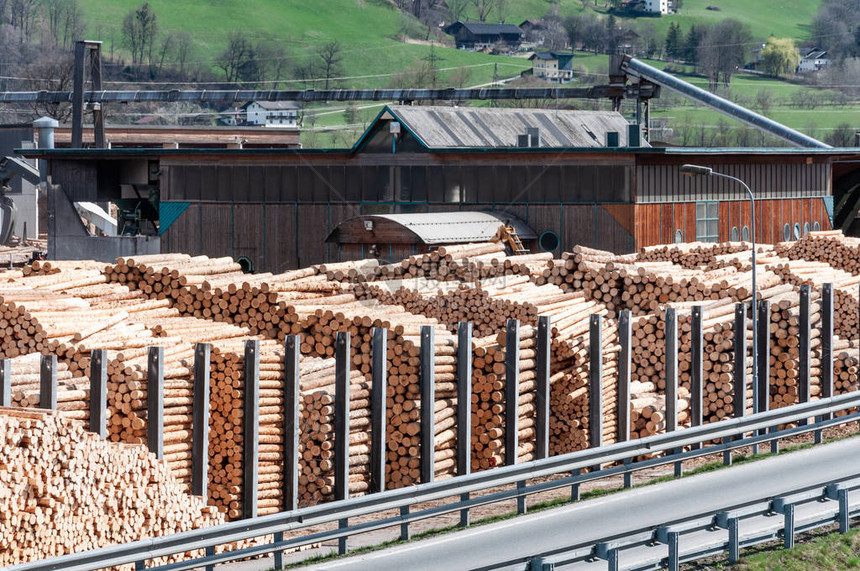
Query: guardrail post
x=543, y=395
x=404, y=527
x=278, y=556
x=200, y=421
x=672, y=542
x=428, y=402
x=623, y=391
x=98, y=392
x=671, y=359
x=734, y=541
x=826, y=350
x=574, y=488
x=378, y=398
x=595, y=389
x=464, y=408
x=844, y=512
x=292, y=381
x=341, y=426
x=805, y=335
x=761, y=390
x=251, y=430
x=788, y=526
x=155, y=401
x=209, y=552
x=612, y=560
x=48, y=382
x=5, y=382
x=512, y=392
x=696, y=370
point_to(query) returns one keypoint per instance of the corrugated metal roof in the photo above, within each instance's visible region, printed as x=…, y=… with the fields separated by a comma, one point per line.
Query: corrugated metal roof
x=482, y=28
x=458, y=227
x=475, y=127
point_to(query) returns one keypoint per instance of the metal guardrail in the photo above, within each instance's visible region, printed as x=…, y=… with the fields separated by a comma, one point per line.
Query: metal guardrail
x=728, y=519
x=761, y=427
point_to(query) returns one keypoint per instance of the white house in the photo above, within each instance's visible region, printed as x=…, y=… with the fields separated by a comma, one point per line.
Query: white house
x=814, y=60
x=657, y=6
x=272, y=113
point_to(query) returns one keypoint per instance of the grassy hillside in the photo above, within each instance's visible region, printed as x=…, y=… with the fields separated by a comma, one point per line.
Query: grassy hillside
x=374, y=55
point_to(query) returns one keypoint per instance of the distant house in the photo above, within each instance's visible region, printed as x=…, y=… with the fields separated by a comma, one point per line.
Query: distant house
x=272, y=113
x=657, y=6
x=477, y=35
x=814, y=60
x=534, y=32
x=553, y=66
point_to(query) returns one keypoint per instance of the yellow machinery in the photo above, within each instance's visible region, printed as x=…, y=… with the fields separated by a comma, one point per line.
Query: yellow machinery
x=507, y=235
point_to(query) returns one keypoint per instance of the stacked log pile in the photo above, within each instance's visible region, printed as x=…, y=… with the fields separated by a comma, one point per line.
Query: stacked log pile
x=63, y=490
x=832, y=247
x=72, y=394
x=691, y=255
x=846, y=290
x=466, y=262
x=486, y=304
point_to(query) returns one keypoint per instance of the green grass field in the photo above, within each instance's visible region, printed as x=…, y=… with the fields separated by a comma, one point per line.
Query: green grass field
x=375, y=57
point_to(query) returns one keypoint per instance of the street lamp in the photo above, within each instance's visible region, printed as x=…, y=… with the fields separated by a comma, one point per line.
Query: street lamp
x=697, y=170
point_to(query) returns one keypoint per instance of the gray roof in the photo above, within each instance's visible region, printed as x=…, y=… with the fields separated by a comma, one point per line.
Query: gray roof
x=484, y=127
x=482, y=29
x=275, y=105
x=458, y=227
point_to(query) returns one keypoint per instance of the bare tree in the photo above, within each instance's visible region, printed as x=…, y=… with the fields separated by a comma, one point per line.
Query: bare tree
x=139, y=28
x=23, y=15
x=331, y=55
x=457, y=9
x=483, y=8
x=52, y=71
x=184, y=49
x=165, y=46
x=236, y=56
x=73, y=24
x=273, y=61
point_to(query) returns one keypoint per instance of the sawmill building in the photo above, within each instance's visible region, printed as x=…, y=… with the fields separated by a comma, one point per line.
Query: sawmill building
x=585, y=177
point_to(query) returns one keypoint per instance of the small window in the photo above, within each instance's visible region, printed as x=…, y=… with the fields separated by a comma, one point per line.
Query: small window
x=745, y=234
x=679, y=236
x=816, y=227
x=246, y=264
x=797, y=231
x=735, y=234
x=805, y=228
x=786, y=233
x=708, y=221
x=549, y=241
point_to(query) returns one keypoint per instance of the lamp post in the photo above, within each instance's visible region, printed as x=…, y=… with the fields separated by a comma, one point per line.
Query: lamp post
x=697, y=170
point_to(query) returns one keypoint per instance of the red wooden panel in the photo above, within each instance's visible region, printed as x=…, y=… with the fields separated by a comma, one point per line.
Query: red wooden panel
x=725, y=215
x=647, y=232
x=806, y=217
x=667, y=223
x=281, y=238
x=766, y=213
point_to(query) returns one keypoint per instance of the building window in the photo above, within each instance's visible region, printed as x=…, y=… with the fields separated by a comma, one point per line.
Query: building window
x=816, y=227
x=708, y=221
x=735, y=234
x=679, y=236
x=786, y=233
x=805, y=228
x=797, y=231
x=745, y=234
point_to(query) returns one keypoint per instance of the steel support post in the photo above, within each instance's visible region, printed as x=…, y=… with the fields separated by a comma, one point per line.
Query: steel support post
x=98, y=392
x=378, y=398
x=512, y=391
x=292, y=383
x=251, y=430
x=428, y=402
x=155, y=401
x=464, y=408
x=200, y=421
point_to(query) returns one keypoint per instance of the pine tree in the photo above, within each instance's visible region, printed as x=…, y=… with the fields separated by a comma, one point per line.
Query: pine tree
x=673, y=41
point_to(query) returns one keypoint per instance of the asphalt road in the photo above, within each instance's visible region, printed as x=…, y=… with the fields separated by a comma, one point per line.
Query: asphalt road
x=507, y=544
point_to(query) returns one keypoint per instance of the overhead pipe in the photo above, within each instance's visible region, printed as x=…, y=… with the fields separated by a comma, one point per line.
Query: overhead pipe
x=636, y=68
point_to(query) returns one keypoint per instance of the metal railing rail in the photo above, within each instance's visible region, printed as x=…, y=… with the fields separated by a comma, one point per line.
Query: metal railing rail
x=762, y=427
x=727, y=518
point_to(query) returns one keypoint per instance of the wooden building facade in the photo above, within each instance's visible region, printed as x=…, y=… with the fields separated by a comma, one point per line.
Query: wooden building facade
x=276, y=207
